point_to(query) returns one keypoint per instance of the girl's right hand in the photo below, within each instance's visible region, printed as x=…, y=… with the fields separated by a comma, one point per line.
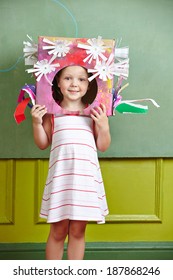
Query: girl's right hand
x=37, y=113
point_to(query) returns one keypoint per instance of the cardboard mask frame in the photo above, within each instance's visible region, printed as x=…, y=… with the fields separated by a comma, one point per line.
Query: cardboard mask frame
x=56, y=53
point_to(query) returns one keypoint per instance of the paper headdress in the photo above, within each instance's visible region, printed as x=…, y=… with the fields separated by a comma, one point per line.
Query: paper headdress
x=102, y=60
x=96, y=55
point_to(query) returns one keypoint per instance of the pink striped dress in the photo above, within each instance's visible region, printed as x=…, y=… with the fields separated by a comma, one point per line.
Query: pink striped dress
x=74, y=187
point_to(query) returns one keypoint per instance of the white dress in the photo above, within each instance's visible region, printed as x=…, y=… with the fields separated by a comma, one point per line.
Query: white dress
x=74, y=187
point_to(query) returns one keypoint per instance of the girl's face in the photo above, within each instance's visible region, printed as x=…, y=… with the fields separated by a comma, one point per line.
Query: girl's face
x=73, y=83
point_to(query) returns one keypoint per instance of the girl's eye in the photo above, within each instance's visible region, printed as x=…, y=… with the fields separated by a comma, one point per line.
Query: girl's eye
x=67, y=78
x=82, y=79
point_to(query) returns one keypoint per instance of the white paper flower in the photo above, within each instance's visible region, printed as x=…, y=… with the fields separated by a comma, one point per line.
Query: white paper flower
x=106, y=69
x=42, y=68
x=30, y=52
x=58, y=48
x=103, y=69
x=95, y=49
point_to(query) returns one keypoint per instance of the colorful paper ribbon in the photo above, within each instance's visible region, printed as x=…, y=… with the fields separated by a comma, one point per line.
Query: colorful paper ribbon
x=20, y=109
x=129, y=106
x=19, y=114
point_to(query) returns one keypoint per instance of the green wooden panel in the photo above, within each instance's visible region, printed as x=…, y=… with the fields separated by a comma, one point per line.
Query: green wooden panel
x=145, y=26
x=139, y=194
x=94, y=251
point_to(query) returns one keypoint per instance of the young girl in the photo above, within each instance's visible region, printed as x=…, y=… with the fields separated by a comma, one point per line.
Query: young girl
x=74, y=192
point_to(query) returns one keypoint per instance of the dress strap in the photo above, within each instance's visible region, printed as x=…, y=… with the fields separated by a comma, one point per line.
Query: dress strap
x=52, y=120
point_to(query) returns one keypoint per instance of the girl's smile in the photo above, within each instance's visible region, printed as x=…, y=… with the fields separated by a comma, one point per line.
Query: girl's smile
x=73, y=84
x=73, y=91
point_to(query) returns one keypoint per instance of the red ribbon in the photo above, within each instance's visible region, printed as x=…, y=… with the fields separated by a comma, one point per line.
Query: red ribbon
x=20, y=110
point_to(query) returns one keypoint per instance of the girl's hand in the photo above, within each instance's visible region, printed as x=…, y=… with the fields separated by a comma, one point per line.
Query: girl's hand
x=37, y=113
x=101, y=127
x=98, y=114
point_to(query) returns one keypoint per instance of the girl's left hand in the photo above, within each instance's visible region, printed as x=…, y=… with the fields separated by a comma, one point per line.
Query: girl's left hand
x=98, y=114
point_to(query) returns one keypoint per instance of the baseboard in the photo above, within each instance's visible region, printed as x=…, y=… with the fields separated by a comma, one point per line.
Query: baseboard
x=94, y=251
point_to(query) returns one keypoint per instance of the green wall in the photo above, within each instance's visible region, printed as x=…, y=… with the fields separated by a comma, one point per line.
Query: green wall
x=144, y=26
x=137, y=168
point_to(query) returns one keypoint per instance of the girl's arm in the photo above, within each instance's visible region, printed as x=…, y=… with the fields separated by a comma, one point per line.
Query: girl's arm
x=42, y=126
x=101, y=128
